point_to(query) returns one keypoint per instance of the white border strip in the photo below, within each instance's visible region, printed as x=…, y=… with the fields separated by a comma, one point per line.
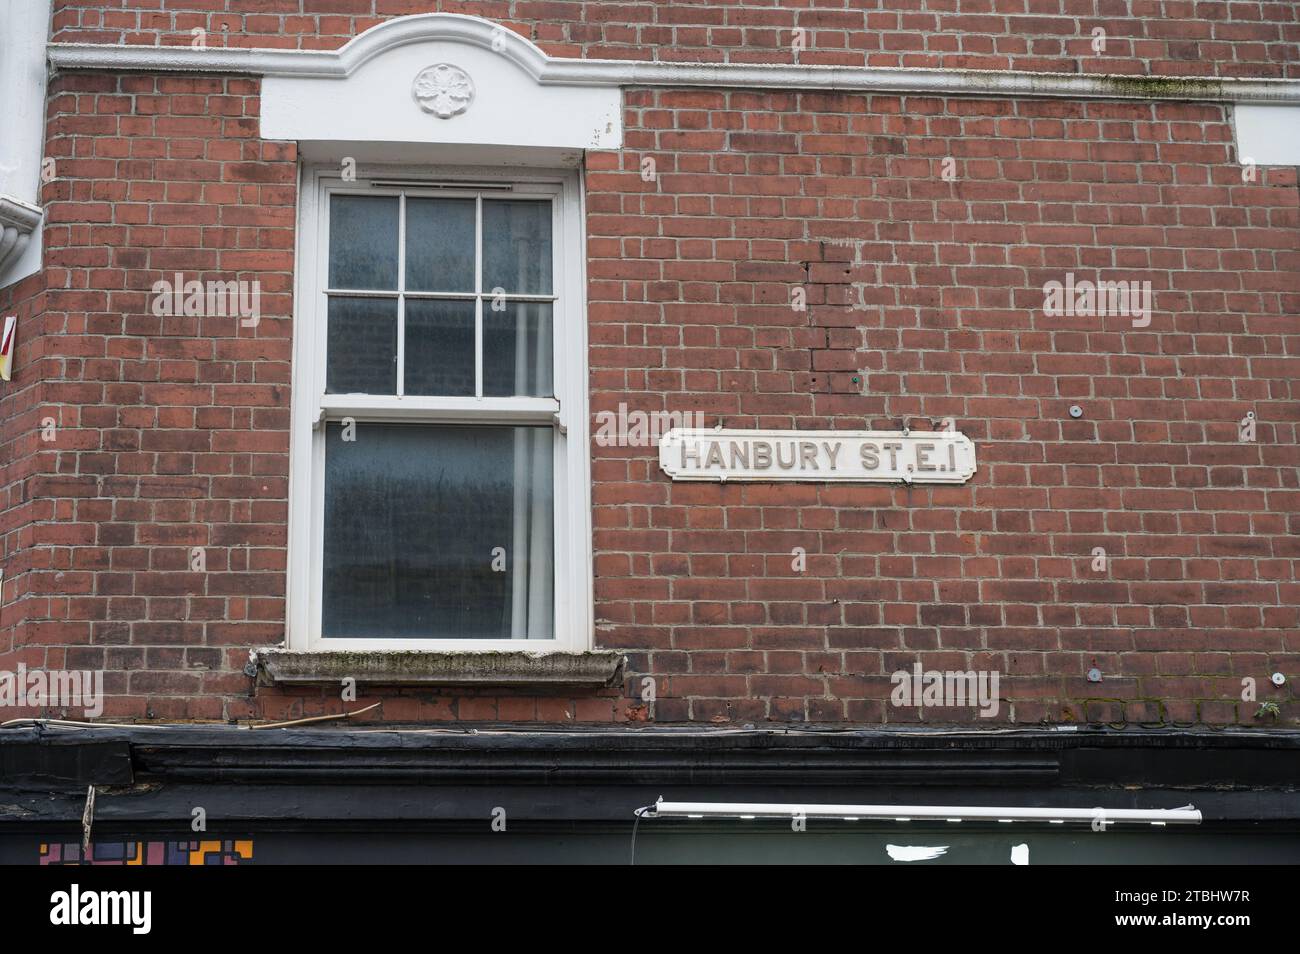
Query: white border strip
x=547, y=70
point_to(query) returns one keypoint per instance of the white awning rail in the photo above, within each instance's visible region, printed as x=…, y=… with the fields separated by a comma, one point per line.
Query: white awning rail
x=1187, y=815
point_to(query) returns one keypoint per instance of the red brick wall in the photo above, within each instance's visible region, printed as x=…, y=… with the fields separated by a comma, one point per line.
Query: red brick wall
x=23, y=454
x=925, y=301
x=1169, y=37
x=173, y=431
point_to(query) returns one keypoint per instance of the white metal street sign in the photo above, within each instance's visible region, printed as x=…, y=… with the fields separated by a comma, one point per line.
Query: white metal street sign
x=910, y=457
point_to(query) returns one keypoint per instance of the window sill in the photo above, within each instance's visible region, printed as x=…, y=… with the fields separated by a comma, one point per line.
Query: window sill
x=595, y=669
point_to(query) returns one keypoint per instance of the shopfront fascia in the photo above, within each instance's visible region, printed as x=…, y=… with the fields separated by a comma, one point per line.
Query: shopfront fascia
x=495, y=794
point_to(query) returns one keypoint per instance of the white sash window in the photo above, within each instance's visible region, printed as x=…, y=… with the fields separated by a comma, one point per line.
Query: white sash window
x=439, y=499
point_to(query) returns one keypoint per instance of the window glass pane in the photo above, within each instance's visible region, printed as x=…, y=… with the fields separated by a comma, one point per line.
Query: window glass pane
x=438, y=531
x=363, y=242
x=517, y=349
x=439, y=347
x=440, y=245
x=517, y=247
x=361, y=350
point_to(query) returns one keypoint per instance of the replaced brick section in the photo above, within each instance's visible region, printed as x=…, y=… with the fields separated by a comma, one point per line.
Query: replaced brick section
x=1161, y=37
x=925, y=301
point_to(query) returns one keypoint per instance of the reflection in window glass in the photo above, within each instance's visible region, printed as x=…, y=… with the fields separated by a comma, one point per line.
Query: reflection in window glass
x=517, y=349
x=517, y=247
x=439, y=346
x=438, y=531
x=363, y=242
x=361, y=346
x=440, y=245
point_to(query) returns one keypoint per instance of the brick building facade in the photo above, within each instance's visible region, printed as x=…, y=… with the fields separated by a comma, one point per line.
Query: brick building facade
x=799, y=249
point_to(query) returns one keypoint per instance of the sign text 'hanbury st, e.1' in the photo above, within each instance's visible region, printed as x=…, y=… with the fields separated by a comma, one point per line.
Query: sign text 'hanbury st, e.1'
x=909, y=457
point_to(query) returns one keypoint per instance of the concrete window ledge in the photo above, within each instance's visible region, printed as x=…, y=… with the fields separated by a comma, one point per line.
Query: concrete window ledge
x=596, y=669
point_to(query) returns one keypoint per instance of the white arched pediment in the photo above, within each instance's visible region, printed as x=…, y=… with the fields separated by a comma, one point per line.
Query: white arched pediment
x=440, y=78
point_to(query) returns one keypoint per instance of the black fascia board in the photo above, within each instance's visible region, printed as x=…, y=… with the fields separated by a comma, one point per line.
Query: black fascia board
x=55, y=758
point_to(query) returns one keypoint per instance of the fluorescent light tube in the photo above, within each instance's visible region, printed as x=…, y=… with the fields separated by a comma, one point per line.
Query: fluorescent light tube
x=1186, y=815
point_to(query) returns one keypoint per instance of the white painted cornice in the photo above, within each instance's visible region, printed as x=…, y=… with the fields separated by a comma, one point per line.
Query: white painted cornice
x=327, y=64
x=18, y=220
x=564, y=71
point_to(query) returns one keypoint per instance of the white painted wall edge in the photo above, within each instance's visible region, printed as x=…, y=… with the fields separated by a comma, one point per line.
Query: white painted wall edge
x=1267, y=135
x=24, y=28
x=563, y=71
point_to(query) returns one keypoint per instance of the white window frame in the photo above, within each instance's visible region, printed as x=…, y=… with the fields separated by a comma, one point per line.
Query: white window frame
x=567, y=413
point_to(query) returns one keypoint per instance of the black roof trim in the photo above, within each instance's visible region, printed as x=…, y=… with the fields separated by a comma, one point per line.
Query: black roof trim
x=1087, y=756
